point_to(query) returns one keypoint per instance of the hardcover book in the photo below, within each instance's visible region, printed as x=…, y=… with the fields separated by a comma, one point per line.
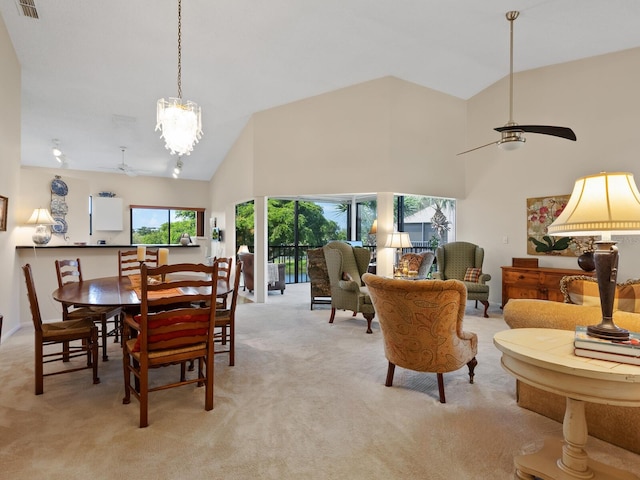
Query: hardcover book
x=612, y=357
x=629, y=347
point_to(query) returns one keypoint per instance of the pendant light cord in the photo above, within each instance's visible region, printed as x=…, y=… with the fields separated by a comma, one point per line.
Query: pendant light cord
x=180, y=49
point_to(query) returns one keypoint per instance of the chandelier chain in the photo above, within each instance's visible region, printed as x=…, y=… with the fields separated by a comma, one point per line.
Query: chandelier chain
x=180, y=49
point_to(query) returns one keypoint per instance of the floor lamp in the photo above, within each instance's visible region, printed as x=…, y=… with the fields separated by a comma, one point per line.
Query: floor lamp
x=602, y=204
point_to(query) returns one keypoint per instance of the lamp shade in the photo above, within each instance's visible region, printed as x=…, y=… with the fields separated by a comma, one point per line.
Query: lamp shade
x=243, y=249
x=374, y=227
x=603, y=203
x=398, y=240
x=41, y=216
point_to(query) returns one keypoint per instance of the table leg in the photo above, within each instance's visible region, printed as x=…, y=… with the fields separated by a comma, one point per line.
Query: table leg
x=567, y=460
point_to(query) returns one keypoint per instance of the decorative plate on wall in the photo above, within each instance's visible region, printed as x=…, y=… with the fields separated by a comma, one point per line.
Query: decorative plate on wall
x=59, y=206
x=58, y=187
x=60, y=225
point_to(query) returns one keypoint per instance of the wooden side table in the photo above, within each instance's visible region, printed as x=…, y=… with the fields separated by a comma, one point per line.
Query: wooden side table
x=544, y=358
x=539, y=283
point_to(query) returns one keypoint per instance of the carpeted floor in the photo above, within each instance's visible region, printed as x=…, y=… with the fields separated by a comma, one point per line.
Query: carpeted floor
x=305, y=400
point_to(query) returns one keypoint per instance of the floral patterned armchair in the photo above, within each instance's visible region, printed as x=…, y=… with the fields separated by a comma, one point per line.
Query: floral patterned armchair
x=421, y=324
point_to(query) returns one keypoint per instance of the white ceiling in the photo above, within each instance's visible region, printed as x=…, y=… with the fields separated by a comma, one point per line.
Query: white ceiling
x=92, y=70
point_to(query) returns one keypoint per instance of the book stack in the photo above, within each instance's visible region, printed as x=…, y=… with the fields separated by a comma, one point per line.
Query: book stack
x=627, y=351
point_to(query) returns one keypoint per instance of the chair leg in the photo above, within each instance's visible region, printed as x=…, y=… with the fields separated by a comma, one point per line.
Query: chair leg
x=390, y=371
x=369, y=317
x=333, y=314
x=39, y=367
x=104, y=333
x=127, y=377
x=486, y=307
x=441, y=388
x=144, y=396
x=472, y=366
x=94, y=354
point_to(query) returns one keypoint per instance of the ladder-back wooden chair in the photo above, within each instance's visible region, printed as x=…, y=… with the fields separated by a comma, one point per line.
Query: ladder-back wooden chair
x=175, y=325
x=226, y=321
x=64, y=334
x=70, y=271
x=128, y=263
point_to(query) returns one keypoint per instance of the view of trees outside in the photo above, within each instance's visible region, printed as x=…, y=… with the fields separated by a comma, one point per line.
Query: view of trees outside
x=161, y=227
x=314, y=228
x=320, y=222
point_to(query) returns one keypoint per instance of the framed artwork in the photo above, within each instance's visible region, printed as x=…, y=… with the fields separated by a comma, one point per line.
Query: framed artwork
x=541, y=212
x=3, y=213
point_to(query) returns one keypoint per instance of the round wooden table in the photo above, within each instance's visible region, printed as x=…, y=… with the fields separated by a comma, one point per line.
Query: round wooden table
x=108, y=292
x=544, y=358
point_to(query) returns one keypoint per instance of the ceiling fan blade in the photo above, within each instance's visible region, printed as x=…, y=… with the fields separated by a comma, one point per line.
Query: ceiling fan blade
x=562, y=132
x=477, y=148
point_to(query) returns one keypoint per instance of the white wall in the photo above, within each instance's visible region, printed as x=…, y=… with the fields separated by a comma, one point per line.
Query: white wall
x=388, y=135
x=10, y=93
x=169, y=192
x=598, y=99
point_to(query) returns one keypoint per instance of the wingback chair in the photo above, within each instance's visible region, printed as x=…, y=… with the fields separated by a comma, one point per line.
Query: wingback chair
x=421, y=324
x=463, y=261
x=346, y=265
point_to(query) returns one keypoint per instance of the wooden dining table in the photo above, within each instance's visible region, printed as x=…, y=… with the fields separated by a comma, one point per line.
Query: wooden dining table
x=110, y=292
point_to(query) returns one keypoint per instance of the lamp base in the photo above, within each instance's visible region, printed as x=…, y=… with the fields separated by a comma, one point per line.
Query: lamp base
x=608, y=331
x=41, y=235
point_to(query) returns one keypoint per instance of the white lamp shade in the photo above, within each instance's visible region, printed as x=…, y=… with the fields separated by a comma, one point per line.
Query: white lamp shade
x=41, y=216
x=398, y=240
x=243, y=249
x=605, y=202
x=374, y=227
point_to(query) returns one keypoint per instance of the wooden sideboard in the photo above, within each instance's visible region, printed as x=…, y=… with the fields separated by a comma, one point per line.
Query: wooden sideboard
x=535, y=282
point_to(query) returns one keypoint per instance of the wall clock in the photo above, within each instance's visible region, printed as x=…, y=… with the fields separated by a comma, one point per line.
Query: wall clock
x=58, y=187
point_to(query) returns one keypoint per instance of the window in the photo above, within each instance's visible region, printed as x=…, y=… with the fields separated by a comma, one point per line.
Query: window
x=153, y=225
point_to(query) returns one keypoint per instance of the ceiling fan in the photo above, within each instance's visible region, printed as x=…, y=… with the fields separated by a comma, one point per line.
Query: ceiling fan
x=123, y=167
x=511, y=133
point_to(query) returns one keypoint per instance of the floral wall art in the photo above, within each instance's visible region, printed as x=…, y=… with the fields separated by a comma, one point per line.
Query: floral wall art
x=541, y=212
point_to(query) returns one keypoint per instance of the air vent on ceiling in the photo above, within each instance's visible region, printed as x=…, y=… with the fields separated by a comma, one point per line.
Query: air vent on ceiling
x=27, y=8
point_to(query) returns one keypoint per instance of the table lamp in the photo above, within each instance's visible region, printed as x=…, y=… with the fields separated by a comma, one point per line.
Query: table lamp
x=398, y=240
x=42, y=218
x=243, y=249
x=602, y=204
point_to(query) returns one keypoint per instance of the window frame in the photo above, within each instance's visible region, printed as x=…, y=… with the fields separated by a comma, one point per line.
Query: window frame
x=200, y=217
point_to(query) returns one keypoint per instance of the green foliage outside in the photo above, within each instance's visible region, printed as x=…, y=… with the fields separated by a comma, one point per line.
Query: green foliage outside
x=185, y=223
x=313, y=227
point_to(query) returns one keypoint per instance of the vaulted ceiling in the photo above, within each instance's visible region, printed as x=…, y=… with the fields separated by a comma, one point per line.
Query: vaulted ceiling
x=92, y=70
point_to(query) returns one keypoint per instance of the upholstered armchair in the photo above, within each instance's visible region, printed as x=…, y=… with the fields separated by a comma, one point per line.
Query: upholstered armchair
x=318, y=277
x=346, y=265
x=278, y=283
x=421, y=324
x=463, y=261
x=419, y=262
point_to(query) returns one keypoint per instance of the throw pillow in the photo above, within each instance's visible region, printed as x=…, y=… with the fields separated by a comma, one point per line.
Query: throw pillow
x=580, y=290
x=628, y=296
x=472, y=274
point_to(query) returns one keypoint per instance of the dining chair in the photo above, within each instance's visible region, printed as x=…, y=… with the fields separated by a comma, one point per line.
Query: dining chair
x=226, y=320
x=70, y=271
x=175, y=325
x=60, y=333
x=128, y=263
x=225, y=266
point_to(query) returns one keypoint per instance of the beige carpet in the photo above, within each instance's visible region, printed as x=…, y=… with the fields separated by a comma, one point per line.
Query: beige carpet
x=306, y=400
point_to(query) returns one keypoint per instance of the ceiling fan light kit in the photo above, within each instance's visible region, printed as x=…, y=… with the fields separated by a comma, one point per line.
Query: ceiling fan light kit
x=179, y=121
x=512, y=136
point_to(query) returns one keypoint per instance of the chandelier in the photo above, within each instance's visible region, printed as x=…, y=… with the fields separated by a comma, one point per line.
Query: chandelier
x=179, y=121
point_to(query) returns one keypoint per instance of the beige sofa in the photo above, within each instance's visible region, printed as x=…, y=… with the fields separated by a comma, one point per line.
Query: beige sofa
x=617, y=425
